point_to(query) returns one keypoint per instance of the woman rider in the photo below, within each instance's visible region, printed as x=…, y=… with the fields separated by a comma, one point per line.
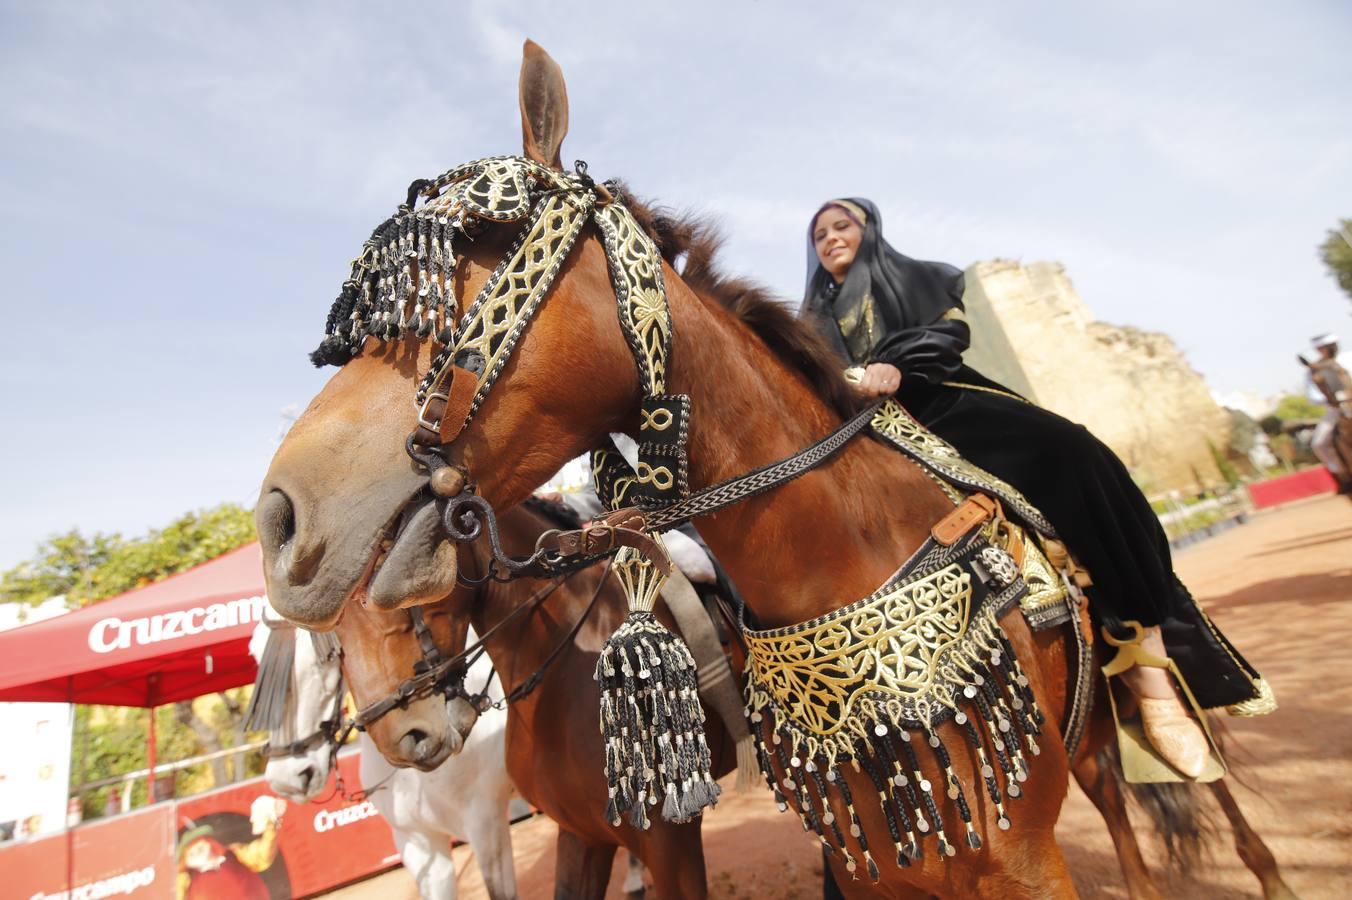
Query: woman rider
x=902, y=321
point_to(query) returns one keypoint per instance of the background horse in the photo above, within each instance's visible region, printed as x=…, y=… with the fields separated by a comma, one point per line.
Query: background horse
x=554, y=749
x=465, y=798
x=361, y=525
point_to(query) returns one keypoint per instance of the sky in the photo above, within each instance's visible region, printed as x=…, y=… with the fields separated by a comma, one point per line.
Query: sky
x=183, y=184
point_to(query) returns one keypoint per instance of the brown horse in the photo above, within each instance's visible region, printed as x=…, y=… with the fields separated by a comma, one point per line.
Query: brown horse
x=380, y=651
x=345, y=515
x=554, y=760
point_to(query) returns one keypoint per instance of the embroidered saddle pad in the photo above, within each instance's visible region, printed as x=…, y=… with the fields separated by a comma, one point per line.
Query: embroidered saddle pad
x=869, y=684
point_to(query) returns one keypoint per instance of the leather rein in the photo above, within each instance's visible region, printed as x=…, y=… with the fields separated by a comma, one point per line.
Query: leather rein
x=436, y=673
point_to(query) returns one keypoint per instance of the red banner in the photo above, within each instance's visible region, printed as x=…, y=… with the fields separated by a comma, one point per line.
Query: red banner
x=1296, y=486
x=240, y=842
x=128, y=856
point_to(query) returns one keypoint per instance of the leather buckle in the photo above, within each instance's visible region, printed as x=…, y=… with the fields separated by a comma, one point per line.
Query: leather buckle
x=590, y=538
x=423, y=420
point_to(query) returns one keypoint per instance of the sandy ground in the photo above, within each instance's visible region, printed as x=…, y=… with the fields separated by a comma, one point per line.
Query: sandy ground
x=1280, y=587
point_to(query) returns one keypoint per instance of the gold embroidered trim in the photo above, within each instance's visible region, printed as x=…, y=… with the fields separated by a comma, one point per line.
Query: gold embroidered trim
x=1045, y=587
x=1261, y=705
x=977, y=387
x=870, y=684
x=636, y=274
x=496, y=320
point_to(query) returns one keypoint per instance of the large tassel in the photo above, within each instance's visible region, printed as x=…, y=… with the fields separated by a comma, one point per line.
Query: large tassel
x=651, y=716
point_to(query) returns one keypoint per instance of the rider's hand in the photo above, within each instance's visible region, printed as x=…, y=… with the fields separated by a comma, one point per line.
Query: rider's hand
x=880, y=380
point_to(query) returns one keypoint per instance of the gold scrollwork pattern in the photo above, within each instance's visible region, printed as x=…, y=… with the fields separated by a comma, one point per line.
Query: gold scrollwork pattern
x=636, y=274
x=919, y=664
x=659, y=477
x=656, y=419
x=614, y=479
x=1045, y=587
x=892, y=643
x=515, y=290
x=498, y=192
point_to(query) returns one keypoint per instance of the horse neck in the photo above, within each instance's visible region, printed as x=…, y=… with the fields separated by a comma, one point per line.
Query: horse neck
x=831, y=536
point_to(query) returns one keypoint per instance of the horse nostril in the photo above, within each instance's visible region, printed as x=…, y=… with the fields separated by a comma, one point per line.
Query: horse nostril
x=276, y=521
x=427, y=749
x=307, y=777
x=410, y=742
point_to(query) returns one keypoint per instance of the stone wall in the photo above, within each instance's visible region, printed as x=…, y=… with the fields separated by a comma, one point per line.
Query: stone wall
x=1132, y=388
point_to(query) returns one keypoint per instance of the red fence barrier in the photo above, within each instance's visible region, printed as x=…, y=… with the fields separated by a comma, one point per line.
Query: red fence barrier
x=236, y=842
x=1296, y=486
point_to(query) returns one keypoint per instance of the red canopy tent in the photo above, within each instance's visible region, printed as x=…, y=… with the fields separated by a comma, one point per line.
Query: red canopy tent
x=173, y=640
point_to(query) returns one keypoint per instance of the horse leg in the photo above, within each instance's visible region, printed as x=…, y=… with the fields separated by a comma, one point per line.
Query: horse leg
x=489, y=834
x=581, y=870
x=674, y=855
x=1251, y=848
x=428, y=859
x=1102, y=789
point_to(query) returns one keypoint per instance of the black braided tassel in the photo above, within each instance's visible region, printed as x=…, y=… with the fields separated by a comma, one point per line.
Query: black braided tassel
x=653, y=723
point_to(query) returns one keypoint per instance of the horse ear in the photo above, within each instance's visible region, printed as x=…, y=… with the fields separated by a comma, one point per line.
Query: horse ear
x=544, y=105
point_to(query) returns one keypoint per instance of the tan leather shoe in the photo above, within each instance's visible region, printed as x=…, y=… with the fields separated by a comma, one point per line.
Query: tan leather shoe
x=1174, y=734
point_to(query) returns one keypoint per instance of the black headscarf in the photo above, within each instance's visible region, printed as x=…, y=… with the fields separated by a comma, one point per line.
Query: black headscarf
x=909, y=295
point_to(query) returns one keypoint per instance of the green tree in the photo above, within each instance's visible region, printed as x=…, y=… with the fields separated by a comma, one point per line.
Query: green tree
x=188, y=541
x=89, y=569
x=1223, y=465
x=1336, y=251
x=63, y=565
x=1296, y=407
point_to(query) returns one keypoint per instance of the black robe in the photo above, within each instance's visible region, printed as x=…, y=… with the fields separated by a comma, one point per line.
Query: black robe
x=1079, y=484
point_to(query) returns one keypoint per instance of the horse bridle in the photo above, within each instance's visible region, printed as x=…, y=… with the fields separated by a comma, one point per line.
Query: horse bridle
x=399, y=285
x=333, y=730
x=436, y=673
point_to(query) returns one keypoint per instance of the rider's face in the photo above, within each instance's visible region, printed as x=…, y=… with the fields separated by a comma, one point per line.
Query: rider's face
x=836, y=237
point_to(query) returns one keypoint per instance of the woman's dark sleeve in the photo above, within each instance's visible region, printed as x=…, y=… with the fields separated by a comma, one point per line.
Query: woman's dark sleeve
x=930, y=353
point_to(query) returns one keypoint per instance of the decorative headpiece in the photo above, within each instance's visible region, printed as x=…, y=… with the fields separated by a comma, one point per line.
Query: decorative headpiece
x=401, y=283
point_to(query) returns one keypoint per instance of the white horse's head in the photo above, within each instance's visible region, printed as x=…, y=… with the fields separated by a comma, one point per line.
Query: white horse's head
x=299, y=690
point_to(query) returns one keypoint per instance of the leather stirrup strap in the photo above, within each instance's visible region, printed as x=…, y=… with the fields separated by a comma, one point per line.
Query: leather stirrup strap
x=973, y=512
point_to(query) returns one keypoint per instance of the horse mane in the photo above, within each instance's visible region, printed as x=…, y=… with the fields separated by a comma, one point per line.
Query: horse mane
x=272, y=688
x=793, y=340
x=560, y=515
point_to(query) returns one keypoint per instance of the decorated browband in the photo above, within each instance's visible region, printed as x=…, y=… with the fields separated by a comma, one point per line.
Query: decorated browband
x=401, y=285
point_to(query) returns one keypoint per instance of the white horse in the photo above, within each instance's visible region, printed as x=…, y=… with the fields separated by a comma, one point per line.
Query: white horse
x=466, y=797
